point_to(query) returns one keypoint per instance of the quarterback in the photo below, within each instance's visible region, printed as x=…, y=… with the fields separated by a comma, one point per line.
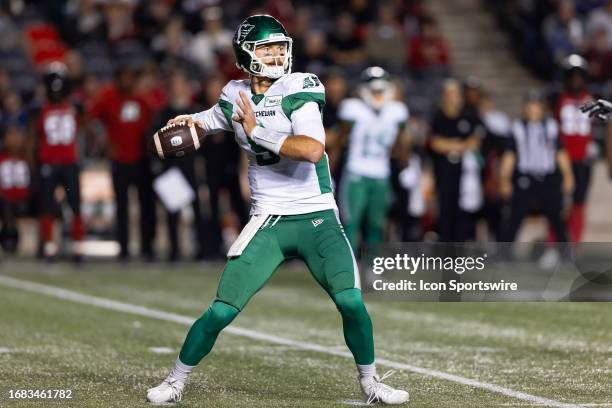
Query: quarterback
x=276, y=118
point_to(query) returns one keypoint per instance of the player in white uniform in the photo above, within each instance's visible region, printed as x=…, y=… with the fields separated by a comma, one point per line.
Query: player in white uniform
x=375, y=123
x=276, y=118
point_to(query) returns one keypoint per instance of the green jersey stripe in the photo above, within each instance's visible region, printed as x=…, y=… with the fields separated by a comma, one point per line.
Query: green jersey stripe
x=323, y=175
x=297, y=100
x=227, y=109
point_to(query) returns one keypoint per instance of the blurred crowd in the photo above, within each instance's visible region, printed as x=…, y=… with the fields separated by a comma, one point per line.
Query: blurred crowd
x=127, y=66
x=560, y=28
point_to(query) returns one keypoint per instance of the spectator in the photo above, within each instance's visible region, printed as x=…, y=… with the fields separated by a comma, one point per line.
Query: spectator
x=364, y=13
x=346, y=48
x=302, y=27
x=536, y=171
x=453, y=142
x=315, y=59
x=215, y=39
x=599, y=56
x=601, y=20
x=83, y=22
x=563, y=31
x=172, y=48
x=127, y=118
x=151, y=86
x=179, y=102
x=9, y=33
x=428, y=50
x=385, y=43
x=119, y=20
x=13, y=113
x=152, y=17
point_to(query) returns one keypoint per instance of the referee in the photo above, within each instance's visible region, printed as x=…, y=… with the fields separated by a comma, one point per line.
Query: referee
x=535, y=170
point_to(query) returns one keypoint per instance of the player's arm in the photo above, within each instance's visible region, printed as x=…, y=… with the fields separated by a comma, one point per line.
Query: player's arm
x=339, y=141
x=565, y=166
x=402, y=147
x=212, y=120
x=506, y=170
x=307, y=144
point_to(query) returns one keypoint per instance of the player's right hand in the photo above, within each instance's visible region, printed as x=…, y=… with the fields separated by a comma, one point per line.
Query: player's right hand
x=600, y=108
x=181, y=118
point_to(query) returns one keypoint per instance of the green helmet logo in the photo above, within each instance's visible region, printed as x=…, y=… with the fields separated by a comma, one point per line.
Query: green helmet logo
x=257, y=30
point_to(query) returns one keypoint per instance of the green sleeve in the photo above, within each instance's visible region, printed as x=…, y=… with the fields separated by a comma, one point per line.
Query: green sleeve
x=295, y=101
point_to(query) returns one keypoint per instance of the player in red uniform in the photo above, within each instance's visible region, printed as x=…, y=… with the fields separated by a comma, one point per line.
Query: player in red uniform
x=54, y=130
x=576, y=134
x=14, y=187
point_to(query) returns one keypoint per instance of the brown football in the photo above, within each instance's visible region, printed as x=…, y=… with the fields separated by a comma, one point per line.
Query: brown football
x=177, y=140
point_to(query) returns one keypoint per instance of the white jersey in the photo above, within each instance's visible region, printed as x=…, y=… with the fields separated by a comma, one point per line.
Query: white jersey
x=279, y=185
x=372, y=136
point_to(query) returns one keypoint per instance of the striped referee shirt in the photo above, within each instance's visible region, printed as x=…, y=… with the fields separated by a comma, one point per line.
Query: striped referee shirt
x=536, y=145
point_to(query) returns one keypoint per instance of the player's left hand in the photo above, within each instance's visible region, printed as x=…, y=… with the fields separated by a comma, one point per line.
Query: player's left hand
x=244, y=114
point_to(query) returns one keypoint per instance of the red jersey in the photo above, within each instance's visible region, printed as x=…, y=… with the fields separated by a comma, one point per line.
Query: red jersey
x=14, y=178
x=574, y=126
x=57, y=126
x=127, y=119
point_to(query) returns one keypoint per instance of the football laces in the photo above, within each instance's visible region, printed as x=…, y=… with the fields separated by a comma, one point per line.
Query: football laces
x=172, y=125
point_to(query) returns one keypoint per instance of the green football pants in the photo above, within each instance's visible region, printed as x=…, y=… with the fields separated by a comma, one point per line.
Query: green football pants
x=364, y=199
x=318, y=239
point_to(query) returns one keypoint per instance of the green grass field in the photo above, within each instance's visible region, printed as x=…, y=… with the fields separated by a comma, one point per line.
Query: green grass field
x=560, y=352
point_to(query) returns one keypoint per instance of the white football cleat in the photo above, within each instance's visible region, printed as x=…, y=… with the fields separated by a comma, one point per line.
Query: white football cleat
x=550, y=259
x=168, y=392
x=375, y=391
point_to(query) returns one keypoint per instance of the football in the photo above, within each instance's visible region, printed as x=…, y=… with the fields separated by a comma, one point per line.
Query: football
x=176, y=140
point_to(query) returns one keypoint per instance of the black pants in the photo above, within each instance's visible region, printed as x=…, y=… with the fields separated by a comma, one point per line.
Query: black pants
x=582, y=178
x=541, y=193
x=138, y=175
x=9, y=233
x=65, y=175
x=454, y=224
x=410, y=228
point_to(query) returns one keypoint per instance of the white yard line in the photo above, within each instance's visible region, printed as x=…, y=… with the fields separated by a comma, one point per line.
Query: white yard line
x=110, y=304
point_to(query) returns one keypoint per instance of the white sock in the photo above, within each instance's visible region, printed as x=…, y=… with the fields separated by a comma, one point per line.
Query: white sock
x=366, y=370
x=181, y=371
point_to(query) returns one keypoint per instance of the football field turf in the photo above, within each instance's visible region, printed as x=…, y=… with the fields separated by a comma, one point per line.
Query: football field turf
x=97, y=330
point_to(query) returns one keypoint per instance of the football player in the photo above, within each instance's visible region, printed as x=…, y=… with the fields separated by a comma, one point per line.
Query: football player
x=576, y=135
x=374, y=123
x=14, y=187
x=276, y=118
x=53, y=132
